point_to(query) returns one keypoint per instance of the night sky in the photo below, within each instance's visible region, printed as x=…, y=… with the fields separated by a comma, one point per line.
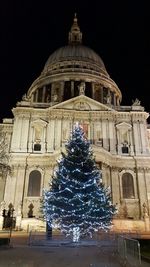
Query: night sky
x=117, y=30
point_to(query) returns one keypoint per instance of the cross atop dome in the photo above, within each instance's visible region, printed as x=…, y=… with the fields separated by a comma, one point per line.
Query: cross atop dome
x=75, y=36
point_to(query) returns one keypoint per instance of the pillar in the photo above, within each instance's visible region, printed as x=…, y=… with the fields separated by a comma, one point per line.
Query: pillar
x=112, y=137
x=50, y=135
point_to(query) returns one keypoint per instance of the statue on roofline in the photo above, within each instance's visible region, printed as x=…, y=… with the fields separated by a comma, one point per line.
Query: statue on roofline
x=81, y=88
x=136, y=102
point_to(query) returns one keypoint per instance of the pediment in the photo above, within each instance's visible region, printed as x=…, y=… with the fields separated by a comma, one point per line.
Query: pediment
x=124, y=125
x=81, y=102
x=39, y=122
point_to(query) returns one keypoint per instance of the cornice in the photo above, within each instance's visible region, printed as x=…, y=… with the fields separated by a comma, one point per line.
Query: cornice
x=24, y=112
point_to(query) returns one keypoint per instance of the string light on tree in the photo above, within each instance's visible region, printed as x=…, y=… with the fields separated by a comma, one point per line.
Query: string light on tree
x=77, y=199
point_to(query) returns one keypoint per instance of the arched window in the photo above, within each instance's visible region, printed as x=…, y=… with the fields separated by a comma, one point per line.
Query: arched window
x=34, y=184
x=127, y=185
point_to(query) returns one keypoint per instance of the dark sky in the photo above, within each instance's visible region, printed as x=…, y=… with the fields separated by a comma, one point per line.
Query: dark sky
x=117, y=30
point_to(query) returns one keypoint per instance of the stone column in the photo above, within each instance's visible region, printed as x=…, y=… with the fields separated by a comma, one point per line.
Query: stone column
x=92, y=133
x=131, y=142
x=117, y=99
x=43, y=139
x=20, y=183
x=112, y=137
x=114, y=100
x=118, y=141
x=115, y=185
x=93, y=91
x=62, y=91
x=43, y=95
x=147, y=179
x=141, y=189
x=36, y=96
x=72, y=88
x=15, y=147
x=101, y=94
x=19, y=216
x=50, y=135
x=143, y=137
x=57, y=133
x=104, y=131
x=136, y=136
x=106, y=175
x=30, y=141
x=52, y=92
x=10, y=188
x=24, y=133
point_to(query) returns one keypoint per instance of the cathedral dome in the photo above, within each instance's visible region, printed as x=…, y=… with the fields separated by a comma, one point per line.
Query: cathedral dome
x=75, y=52
x=74, y=56
x=69, y=67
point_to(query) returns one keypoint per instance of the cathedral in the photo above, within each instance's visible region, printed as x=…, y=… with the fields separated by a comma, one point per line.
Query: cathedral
x=74, y=86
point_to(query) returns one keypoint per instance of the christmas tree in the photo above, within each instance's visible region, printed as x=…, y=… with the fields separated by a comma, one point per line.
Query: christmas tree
x=77, y=201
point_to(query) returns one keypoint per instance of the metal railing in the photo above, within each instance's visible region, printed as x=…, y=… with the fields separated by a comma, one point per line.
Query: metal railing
x=129, y=251
x=39, y=238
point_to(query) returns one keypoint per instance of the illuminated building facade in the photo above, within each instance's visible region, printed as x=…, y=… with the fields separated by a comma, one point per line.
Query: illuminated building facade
x=74, y=86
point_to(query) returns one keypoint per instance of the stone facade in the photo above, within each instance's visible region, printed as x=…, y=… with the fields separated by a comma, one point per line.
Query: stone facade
x=75, y=87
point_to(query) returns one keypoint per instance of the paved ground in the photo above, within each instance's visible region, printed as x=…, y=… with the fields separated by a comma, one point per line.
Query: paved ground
x=56, y=257
x=22, y=255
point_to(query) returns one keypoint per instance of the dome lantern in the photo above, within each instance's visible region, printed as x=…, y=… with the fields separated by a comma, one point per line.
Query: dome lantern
x=75, y=36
